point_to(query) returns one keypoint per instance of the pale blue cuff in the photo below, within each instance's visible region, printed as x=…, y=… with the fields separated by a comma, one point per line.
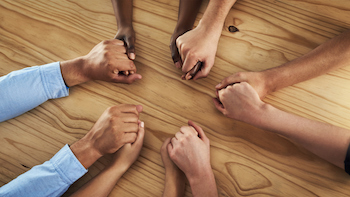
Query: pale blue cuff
x=67, y=165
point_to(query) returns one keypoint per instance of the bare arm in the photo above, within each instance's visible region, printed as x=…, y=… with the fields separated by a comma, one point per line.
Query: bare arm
x=200, y=44
x=331, y=55
x=103, y=183
x=123, y=14
x=327, y=141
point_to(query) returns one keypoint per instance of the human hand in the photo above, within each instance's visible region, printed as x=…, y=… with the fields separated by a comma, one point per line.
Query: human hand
x=174, y=184
x=257, y=80
x=106, y=60
x=127, y=34
x=197, y=46
x=129, y=153
x=239, y=101
x=190, y=152
x=117, y=126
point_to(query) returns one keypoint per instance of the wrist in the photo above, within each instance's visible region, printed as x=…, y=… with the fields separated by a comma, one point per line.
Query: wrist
x=212, y=30
x=85, y=152
x=269, y=80
x=73, y=71
x=204, y=184
x=205, y=173
x=260, y=115
x=124, y=25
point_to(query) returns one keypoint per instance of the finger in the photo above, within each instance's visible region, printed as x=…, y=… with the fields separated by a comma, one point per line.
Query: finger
x=140, y=135
x=199, y=130
x=123, y=65
x=130, y=118
x=170, y=148
x=165, y=145
x=189, y=62
x=114, y=42
x=126, y=79
x=178, y=135
x=139, y=108
x=128, y=108
x=204, y=72
x=130, y=44
x=194, y=70
x=175, y=55
x=130, y=138
x=129, y=127
x=117, y=49
x=218, y=105
x=187, y=130
x=230, y=80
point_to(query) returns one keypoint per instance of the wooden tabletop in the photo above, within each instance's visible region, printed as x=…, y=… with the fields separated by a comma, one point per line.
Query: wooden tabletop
x=246, y=161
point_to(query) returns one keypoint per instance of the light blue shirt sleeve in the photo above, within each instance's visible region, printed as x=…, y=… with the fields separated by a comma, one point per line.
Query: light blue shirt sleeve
x=23, y=90
x=51, y=178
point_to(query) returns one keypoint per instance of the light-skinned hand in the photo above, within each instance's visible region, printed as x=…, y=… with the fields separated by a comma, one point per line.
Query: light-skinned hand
x=256, y=79
x=129, y=153
x=190, y=151
x=240, y=102
x=197, y=45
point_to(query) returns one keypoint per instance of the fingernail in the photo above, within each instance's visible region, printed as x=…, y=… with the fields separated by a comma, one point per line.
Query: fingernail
x=188, y=77
x=177, y=65
x=142, y=124
x=217, y=86
x=132, y=56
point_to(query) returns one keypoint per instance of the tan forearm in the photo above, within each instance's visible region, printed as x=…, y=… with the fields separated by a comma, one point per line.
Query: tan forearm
x=174, y=184
x=331, y=55
x=327, y=141
x=215, y=14
x=102, y=184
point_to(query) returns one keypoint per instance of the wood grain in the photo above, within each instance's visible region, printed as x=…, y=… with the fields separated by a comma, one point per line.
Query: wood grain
x=246, y=161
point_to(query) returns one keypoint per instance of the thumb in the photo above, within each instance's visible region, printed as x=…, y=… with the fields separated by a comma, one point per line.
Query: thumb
x=130, y=45
x=219, y=105
x=126, y=79
x=140, y=135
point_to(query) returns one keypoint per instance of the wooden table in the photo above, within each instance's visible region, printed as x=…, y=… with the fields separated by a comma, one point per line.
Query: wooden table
x=246, y=161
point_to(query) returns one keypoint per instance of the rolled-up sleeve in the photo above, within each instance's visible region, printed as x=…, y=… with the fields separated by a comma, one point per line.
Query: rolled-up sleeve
x=51, y=178
x=23, y=90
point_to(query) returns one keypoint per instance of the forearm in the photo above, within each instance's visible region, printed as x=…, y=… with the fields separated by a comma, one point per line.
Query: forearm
x=204, y=185
x=123, y=12
x=331, y=55
x=188, y=10
x=215, y=14
x=174, y=184
x=327, y=141
x=103, y=183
